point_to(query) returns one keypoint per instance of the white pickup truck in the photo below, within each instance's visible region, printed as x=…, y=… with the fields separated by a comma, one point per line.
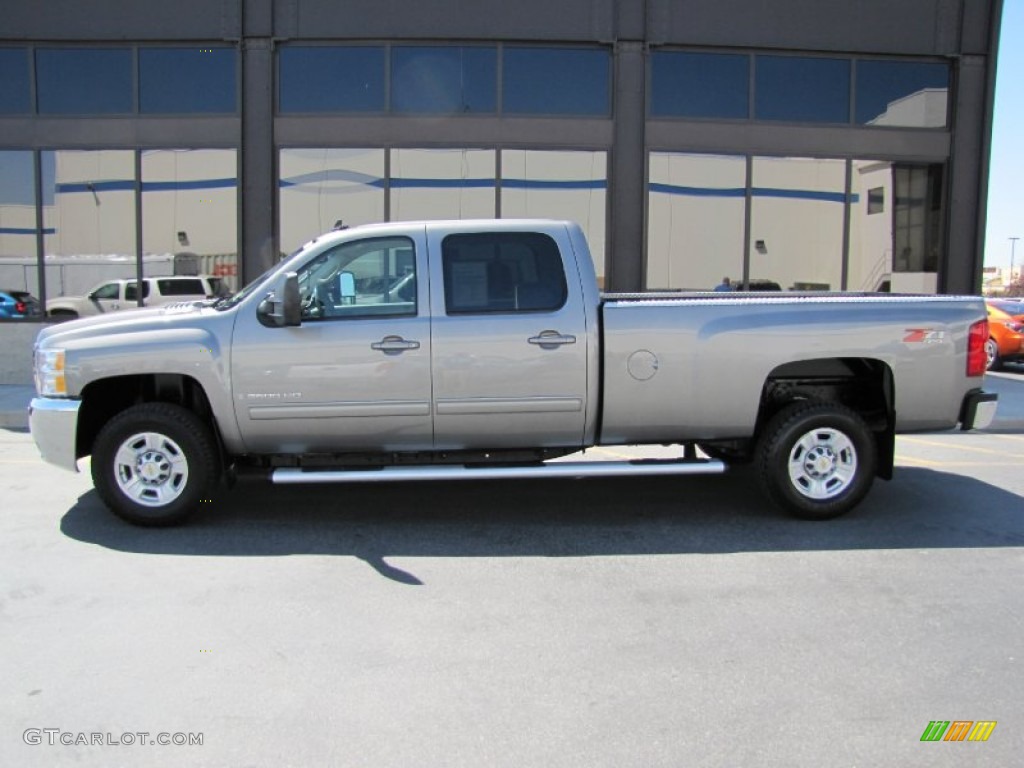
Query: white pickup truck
x=483, y=349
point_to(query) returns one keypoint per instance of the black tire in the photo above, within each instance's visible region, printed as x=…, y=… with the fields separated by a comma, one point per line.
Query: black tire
x=153, y=463
x=816, y=460
x=61, y=315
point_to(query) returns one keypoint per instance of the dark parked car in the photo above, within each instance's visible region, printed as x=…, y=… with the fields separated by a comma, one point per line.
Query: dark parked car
x=18, y=305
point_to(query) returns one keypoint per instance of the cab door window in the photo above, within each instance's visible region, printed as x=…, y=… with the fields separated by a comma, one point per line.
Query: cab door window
x=365, y=278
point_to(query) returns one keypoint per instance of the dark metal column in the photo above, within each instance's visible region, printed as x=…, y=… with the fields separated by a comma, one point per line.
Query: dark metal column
x=627, y=172
x=257, y=183
x=962, y=262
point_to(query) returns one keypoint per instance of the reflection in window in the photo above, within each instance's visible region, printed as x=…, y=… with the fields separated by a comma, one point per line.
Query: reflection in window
x=900, y=93
x=321, y=187
x=182, y=80
x=18, y=263
x=696, y=206
x=699, y=85
x=88, y=217
x=556, y=81
x=14, y=88
x=189, y=213
x=558, y=185
x=433, y=79
x=442, y=184
x=796, y=225
x=876, y=200
x=331, y=79
x=502, y=272
x=84, y=81
x=363, y=278
x=796, y=88
x=899, y=252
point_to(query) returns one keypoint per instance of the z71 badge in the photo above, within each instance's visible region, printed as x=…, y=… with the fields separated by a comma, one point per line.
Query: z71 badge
x=924, y=336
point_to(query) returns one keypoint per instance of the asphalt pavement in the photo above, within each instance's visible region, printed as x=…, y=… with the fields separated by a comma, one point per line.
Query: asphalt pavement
x=623, y=622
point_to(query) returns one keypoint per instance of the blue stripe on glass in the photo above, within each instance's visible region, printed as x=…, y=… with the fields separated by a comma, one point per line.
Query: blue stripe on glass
x=126, y=185
x=25, y=231
x=790, y=194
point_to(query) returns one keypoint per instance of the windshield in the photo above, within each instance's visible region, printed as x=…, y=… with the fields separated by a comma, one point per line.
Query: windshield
x=252, y=287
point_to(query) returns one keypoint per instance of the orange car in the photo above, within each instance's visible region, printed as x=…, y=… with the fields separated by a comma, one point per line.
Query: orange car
x=1005, y=338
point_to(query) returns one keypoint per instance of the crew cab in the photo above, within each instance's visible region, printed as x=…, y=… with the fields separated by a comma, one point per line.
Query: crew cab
x=115, y=295
x=483, y=349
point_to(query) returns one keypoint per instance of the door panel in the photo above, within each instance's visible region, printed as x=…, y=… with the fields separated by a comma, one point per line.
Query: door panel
x=355, y=375
x=509, y=341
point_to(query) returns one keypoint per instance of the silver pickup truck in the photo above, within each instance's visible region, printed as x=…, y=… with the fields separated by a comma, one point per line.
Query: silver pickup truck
x=483, y=349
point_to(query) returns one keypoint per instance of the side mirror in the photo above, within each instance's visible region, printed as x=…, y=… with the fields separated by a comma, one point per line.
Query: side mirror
x=347, y=287
x=280, y=309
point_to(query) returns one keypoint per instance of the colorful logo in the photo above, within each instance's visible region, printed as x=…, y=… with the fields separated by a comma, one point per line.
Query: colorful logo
x=958, y=730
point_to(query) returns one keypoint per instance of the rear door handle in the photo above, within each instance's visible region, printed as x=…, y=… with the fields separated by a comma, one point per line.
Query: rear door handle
x=551, y=339
x=394, y=344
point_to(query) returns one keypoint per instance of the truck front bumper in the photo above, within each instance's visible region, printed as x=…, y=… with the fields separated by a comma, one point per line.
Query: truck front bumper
x=978, y=410
x=54, y=427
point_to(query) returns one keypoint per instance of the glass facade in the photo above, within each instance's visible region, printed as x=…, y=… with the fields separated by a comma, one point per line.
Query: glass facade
x=189, y=213
x=696, y=209
x=802, y=89
x=796, y=222
x=444, y=79
x=18, y=262
x=88, y=217
x=900, y=93
x=712, y=209
x=187, y=80
x=331, y=79
x=700, y=85
x=556, y=81
x=84, y=81
x=321, y=187
x=442, y=184
x=559, y=185
x=15, y=97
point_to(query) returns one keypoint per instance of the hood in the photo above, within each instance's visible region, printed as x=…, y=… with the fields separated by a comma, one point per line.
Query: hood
x=131, y=321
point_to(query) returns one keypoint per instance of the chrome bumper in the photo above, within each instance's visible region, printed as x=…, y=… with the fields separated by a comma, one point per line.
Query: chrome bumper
x=54, y=427
x=978, y=410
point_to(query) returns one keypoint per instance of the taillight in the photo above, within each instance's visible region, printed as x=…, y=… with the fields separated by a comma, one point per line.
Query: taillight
x=19, y=306
x=977, y=360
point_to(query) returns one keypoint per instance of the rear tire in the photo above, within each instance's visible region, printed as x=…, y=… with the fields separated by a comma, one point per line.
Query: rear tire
x=61, y=315
x=153, y=463
x=994, y=362
x=816, y=460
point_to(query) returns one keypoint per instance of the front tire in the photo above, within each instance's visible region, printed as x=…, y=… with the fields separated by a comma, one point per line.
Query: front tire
x=153, y=463
x=816, y=460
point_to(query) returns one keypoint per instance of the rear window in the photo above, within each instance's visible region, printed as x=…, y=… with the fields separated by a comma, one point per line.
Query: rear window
x=179, y=287
x=502, y=272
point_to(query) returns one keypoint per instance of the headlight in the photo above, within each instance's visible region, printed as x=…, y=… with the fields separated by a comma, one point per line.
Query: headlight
x=49, y=373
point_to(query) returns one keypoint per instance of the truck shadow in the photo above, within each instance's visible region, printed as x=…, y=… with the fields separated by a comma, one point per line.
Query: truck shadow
x=555, y=518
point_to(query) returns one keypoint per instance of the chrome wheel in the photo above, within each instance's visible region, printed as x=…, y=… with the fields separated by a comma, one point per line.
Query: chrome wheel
x=991, y=354
x=822, y=464
x=151, y=469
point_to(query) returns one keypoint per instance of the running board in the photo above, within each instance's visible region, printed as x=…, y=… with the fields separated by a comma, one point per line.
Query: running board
x=571, y=469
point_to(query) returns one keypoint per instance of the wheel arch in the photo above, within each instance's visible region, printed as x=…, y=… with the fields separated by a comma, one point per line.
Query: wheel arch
x=865, y=385
x=104, y=398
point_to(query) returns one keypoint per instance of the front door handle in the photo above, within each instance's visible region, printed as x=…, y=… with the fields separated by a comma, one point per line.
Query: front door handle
x=394, y=344
x=552, y=339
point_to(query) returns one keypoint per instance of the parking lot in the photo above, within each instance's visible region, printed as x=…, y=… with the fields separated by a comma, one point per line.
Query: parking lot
x=618, y=622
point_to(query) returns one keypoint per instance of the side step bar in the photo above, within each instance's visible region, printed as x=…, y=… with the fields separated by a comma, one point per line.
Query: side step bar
x=571, y=469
